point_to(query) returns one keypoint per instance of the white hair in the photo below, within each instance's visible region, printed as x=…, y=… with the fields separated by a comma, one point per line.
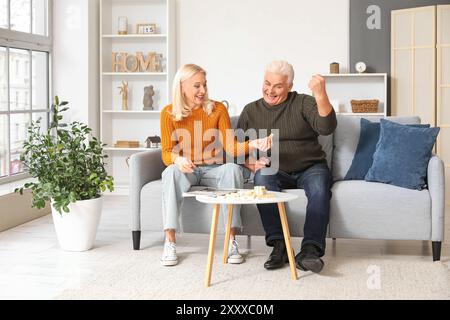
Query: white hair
x=281, y=67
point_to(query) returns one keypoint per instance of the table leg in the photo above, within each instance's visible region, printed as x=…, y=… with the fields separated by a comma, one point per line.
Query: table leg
x=287, y=239
x=212, y=243
x=227, y=234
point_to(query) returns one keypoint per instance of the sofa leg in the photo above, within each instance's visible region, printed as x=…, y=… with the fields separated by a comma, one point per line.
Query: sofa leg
x=334, y=239
x=136, y=239
x=249, y=242
x=436, y=250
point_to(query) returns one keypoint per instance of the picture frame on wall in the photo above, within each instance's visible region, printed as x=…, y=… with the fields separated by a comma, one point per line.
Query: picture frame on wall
x=146, y=28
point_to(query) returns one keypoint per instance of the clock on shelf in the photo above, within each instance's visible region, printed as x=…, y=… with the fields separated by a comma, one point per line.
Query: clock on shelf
x=360, y=67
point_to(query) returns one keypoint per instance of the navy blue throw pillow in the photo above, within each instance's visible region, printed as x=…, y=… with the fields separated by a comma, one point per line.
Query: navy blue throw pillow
x=368, y=139
x=402, y=155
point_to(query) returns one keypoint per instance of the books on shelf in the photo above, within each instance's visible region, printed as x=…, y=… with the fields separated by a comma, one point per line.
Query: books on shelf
x=127, y=144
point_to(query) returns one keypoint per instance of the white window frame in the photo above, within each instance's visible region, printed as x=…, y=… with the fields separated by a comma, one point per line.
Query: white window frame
x=11, y=39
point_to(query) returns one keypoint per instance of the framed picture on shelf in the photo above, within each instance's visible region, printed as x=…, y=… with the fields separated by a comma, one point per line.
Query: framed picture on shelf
x=146, y=28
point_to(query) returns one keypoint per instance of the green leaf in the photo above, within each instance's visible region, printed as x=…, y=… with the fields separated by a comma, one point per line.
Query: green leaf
x=72, y=196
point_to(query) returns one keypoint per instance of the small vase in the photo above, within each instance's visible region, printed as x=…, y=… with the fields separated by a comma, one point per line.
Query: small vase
x=123, y=26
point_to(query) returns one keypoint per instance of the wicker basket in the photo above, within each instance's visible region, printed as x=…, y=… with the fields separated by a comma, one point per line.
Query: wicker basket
x=364, y=106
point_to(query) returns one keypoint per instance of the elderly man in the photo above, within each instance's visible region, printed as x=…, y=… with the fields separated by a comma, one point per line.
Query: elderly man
x=300, y=119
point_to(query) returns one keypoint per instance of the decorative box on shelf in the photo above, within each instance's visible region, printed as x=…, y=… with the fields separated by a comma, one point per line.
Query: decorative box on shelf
x=365, y=106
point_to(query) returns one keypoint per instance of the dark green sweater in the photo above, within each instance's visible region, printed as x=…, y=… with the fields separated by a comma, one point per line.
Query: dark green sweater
x=299, y=125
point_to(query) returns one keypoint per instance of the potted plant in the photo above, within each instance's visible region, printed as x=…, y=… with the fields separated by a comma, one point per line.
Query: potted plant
x=68, y=164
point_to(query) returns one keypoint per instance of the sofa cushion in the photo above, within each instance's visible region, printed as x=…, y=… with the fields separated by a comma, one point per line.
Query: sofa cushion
x=402, y=155
x=234, y=120
x=369, y=210
x=346, y=138
x=327, y=146
x=368, y=139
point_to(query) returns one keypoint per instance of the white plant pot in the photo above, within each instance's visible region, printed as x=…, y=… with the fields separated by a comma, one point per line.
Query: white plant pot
x=77, y=229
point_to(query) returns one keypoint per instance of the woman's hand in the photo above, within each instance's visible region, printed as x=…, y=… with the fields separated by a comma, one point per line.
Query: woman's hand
x=261, y=163
x=262, y=144
x=255, y=165
x=184, y=164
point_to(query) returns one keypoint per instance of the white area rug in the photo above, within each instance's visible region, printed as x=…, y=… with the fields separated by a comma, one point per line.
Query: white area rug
x=127, y=274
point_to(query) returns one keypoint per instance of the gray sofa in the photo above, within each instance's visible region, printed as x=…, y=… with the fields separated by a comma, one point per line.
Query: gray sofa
x=359, y=209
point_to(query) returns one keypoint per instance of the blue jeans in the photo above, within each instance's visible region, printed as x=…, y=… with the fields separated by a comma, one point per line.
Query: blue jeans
x=316, y=181
x=175, y=183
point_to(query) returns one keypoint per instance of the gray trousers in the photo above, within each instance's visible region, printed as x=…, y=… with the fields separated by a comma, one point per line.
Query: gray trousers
x=175, y=183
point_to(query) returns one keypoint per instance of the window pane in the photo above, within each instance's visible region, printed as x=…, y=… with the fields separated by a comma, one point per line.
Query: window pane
x=44, y=122
x=40, y=17
x=39, y=83
x=3, y=80
x=3, y=144
x=18, y=133
x=21, y=15
x=19, y=74
x=4, y=14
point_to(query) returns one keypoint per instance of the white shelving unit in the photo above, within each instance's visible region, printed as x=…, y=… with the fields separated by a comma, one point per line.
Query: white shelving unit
x=344, y=87
x=134, y=123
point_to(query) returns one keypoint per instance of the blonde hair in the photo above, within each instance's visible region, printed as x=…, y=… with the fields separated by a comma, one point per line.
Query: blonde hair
x=281, y=67
x=180, y=109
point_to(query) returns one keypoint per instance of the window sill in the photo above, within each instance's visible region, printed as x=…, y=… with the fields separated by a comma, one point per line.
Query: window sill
x=8, y=188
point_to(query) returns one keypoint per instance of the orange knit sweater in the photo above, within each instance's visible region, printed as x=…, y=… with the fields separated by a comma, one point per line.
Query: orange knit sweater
x=191, y=137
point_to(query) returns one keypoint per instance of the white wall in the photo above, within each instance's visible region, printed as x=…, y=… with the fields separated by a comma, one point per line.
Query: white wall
x=75, y=59
x=234, y=40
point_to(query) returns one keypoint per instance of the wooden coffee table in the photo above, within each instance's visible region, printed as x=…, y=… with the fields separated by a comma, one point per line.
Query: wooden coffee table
x=280, y=198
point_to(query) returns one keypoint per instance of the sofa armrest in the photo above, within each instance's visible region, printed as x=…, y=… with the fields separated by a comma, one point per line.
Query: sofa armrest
x=144, y=167
x=436, y=186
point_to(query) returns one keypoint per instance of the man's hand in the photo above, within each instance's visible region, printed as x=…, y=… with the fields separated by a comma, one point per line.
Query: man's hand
x=262, y=144
x=317, y=86
x=184, y=164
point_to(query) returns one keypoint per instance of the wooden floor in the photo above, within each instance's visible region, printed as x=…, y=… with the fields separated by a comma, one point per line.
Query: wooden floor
x=33, y=267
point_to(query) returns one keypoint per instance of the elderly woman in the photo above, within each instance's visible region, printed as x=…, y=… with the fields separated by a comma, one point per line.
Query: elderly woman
x=191, y=128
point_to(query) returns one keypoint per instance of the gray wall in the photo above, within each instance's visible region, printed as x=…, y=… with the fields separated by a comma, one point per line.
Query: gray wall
x=374, y=46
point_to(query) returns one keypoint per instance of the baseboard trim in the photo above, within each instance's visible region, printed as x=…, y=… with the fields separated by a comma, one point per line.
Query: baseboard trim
x=16, y=210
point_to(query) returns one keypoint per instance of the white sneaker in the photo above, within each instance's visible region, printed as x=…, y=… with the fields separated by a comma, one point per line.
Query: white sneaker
x=234, y=256
x=169, y=256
